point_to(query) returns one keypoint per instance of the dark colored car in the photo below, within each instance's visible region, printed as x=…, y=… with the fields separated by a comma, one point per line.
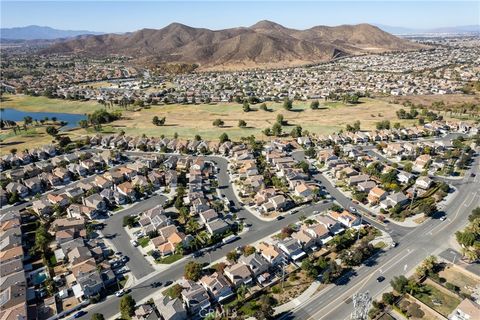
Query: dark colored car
x=155, y=284
x=169, y=282
x=380, y=279
x=280, y=217
x=79, y=314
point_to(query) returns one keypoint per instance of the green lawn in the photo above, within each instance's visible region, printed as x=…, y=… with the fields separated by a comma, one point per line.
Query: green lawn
x=44, y=104
x=143, y=241
x=169, y=259
x=441, y=302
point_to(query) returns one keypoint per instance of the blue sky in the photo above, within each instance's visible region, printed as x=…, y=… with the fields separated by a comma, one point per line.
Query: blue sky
x=122, y=16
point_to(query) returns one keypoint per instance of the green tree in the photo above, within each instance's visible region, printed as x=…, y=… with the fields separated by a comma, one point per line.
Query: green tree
x=389, y=298
x=246, y=106
x=232, y=256
x=277, y=129
x=97, y=316
x=408, y=167
x=51, y=130
x=266, y=310
x=127, y=306
x=263, y=107
x=129, y=221
x=193, y=271
x=280, y=118
x=314, y=105
x=218, y=123
x=310, y=152
x=242, y=124
x=296, y=132
x=223, y=137
x=42, y=238
x=287, y=104
x=399, y=283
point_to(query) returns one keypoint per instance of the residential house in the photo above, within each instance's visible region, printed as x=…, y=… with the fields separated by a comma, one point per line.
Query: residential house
x=397, y=198
x=424, y=182
x=95, y=201
x=217, y=285
x=208, y=216
x=291, y=248
x=256, y=263
x=272, y=254
x=170, y=309
x=346, y=218
x=195, y=297
x=466, y=310
x=376, y=195
x=238, y=274
x=217, y=227
x=42, y=206
x=18, y=188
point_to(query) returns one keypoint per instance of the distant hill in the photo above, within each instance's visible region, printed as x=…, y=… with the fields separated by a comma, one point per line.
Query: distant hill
x=472, y=29
x=40, y=33
x=265, y=43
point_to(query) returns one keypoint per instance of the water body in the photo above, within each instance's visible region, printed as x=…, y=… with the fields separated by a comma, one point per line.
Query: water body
x=18, y=115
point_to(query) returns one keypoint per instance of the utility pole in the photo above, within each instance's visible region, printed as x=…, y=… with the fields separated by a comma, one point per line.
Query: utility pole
x=361, y=306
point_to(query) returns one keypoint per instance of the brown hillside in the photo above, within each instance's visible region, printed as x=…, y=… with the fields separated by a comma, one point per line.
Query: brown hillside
x=265, y=44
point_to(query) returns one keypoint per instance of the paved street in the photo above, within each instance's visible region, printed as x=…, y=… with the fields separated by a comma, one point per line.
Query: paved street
x=114, y=230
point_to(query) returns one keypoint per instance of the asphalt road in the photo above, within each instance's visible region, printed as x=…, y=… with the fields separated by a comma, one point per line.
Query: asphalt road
x=414, y=246
x=115, y=232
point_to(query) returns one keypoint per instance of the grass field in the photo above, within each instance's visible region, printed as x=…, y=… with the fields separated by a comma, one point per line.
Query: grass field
x=437, y=300
x=189, y=120
x=33, y=137
x=44, y=104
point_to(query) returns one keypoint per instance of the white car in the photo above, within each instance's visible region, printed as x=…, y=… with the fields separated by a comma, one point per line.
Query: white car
x=120, y=293
x=443, y=218
x=134, y=243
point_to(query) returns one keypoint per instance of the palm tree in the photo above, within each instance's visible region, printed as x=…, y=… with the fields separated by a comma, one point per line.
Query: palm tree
x=241, y=292
x=413, y=287
x=192, y=226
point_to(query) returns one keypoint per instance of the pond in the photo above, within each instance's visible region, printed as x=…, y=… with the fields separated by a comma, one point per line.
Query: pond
x=18, y=115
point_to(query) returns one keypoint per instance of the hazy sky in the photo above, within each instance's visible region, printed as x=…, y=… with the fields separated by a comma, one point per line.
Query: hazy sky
x=121, y=16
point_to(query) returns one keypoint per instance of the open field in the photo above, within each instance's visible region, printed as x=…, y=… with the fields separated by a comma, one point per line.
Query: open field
x=466, y=283
x=44, y=104
x=189, y=120
x=438, y=300
x=448, y=99
x=33, y=137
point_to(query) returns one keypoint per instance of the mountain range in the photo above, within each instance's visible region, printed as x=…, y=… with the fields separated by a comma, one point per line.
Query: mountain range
x=265, y=44
x=40, y=33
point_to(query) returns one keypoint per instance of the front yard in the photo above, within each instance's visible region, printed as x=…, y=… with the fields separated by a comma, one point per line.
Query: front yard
x=465, y=283
x=438, y=300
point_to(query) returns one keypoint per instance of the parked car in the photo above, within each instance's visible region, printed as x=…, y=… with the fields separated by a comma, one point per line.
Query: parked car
x=134, y=243
x=79, y=314
x=353, y=210
x=443, y=218
x=380, y=279
x=155, y=284
x=120, y=293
